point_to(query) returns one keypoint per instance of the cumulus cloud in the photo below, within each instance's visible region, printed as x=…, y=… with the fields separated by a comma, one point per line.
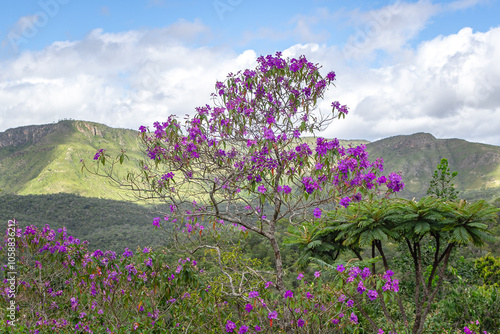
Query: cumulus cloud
x=124, y=79
x=449, y=86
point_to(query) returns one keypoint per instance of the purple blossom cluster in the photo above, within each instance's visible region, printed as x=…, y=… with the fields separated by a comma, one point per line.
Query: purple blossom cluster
x=92, y=279
x=98, y=274
x=260, y=113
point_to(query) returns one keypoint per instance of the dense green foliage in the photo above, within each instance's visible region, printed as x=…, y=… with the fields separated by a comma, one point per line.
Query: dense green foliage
x=106, y=224
x=428, y=232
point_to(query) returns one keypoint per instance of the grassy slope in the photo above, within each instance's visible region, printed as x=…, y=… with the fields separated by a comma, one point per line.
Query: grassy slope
x=53, y=164
x=417, y=156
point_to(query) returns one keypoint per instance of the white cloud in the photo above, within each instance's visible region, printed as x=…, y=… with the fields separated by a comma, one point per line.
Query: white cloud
x=464, y=4
x=388, y=28
x=449, y=86
x=312, y=28
x=123, y=80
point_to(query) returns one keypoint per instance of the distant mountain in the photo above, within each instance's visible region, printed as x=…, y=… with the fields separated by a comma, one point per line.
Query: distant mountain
x=417, y=155
x=45, y=159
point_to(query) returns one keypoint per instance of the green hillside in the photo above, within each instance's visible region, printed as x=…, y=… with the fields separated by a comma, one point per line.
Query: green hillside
x=417, y=155
x=46, y=159
x=42, y=182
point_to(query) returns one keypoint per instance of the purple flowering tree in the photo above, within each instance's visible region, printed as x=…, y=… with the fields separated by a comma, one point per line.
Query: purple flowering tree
x=244, y=160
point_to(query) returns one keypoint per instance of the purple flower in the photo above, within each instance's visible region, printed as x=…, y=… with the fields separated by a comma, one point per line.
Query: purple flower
x=467, y=330
x=372, y=294
x=243, y=329
x=253, y=294
x=366, y=272
x=354, y=318
x=268, y=284
x=127, y=253
x=395, y=285
x=382, y=180
x=317, y=274
x=380, y=331
x=261, y=189
x=258, y=329
x=272, y=315
x=350, y=303
x=230, y=326
x=345, y=202
x=98, y=253
x=288, y=294
x=340, y=268
x=317, y=213
x=309, y=295
x=354, y=272
x=168, y=176
x=300, y=323
x=388, y=274
x=361, y=287
x=156, y=222
x=269, y=134
x=248, y=308
x=99, y=154
x=330, y=76
x=301, y=276
x=395, y=183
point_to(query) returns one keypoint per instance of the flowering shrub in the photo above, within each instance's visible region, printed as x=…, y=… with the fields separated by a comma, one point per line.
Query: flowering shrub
x=63, y=288
x=244, y=158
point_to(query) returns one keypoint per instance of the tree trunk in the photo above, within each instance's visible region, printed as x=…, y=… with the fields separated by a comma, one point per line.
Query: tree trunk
x=431, y=296
x=280, y=284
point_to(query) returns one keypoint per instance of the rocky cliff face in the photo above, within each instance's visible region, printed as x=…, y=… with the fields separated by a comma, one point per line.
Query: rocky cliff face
x=30, y=134
x=33, y=134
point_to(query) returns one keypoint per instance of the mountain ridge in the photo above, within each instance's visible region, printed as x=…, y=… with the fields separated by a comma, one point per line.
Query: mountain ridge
x=45, y=159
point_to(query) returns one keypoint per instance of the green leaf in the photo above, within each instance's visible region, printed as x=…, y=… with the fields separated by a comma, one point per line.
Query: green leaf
x=422, y=228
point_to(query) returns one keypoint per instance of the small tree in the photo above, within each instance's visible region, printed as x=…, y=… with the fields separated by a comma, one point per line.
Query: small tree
x=244, y=160
x=441, y=184
x=407, y=222
x=450, y=225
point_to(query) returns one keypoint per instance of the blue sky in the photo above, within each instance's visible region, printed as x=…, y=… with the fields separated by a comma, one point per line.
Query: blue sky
x=402, y=67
